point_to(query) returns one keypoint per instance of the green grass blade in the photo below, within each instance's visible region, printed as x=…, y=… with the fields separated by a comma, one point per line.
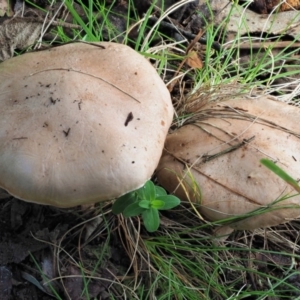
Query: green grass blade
x=279, y=172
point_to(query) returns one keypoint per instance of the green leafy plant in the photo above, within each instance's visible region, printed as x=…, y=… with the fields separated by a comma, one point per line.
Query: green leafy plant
x=146, y=201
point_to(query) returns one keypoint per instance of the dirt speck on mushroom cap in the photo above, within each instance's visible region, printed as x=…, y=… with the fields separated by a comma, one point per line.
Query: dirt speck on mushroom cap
x=65, y=134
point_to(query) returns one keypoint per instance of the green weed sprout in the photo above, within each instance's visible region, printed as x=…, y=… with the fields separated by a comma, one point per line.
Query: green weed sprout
x=146, y=201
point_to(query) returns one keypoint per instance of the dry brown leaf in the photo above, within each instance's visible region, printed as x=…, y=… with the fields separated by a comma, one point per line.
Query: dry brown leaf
x=5, y=8
x=18, y=250
x=289, y=5
x=23, y=32
x=265, y=259
x=243, y=21
x=267, y=6
x=194, y=61
x=73, y=282
x=17, y=33
x=91, y=226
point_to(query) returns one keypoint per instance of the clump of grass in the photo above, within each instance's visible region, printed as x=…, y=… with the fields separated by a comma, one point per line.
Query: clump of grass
x=191, y=264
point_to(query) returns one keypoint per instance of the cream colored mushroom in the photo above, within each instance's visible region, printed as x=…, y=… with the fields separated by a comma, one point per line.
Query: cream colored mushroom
x=221, y=154
x=80, y=123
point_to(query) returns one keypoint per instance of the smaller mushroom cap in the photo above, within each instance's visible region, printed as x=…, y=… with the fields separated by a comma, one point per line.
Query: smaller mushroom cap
x=216, y=162
x=80, y=123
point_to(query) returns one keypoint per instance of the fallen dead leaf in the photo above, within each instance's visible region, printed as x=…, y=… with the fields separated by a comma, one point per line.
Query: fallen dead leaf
x=5, y=8
x=243, y=21
x=194, y=61
x=17, y=33
x=267, y=6
x=73, y=282
x=265, y=259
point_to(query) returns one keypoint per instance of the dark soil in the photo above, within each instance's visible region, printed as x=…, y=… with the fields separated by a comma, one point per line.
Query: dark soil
x=29, y=255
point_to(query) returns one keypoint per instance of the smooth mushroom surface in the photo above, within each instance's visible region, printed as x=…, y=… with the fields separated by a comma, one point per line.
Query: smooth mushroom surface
x=215, y=161
x=80, y=123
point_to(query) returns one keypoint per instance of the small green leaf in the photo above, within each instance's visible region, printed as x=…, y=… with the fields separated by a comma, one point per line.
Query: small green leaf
x=148, y=191
x=158, y=204
x=121, y=203
x=170, y=201
x=159, y=191
x=133, y=210
x=140, y=190
x=151, y=219
x=282, y=174
x=144, y=204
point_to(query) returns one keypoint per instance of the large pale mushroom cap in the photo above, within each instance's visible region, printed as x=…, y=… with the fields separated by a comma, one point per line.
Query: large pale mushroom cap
x=80, y=123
